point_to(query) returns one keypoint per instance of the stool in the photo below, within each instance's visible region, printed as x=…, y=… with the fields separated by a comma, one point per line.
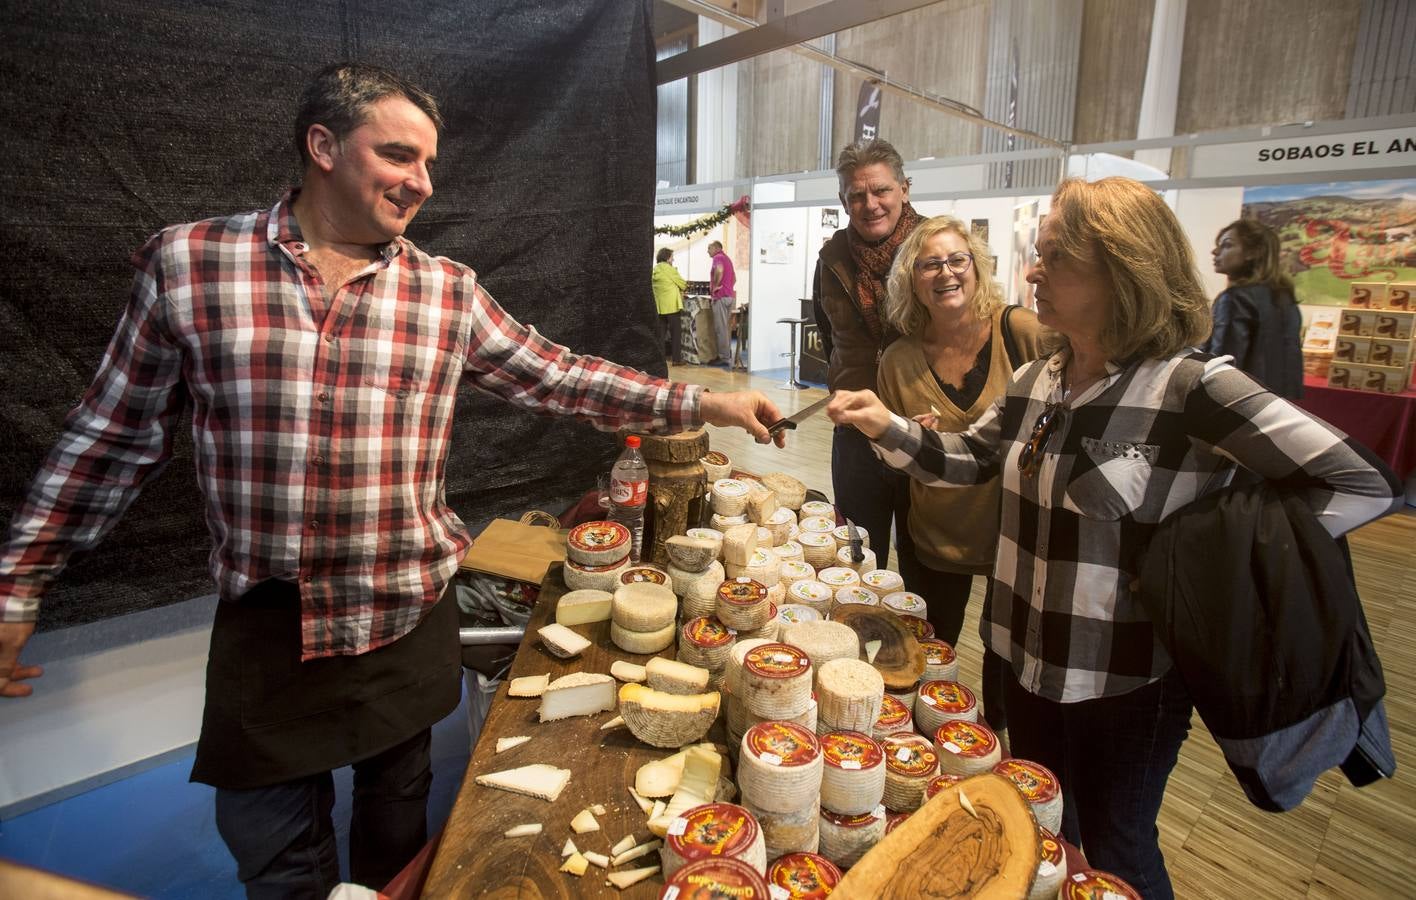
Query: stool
x=792, y=383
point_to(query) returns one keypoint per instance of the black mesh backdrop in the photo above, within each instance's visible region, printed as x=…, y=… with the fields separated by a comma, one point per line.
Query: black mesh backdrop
x=123, y=117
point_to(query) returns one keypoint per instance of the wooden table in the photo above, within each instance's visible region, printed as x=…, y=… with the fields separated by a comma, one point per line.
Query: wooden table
x=473, y=858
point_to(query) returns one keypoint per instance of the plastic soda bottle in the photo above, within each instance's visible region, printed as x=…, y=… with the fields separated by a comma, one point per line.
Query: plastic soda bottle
x=629, y=491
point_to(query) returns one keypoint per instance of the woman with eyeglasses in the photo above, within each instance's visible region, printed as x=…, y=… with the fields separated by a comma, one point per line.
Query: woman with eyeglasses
x=956, y=357
x=1095, y=445
x=1256, y=319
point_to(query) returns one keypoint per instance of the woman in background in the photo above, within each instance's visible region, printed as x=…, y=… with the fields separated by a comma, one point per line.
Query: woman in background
x=955, y=358
x=669, y=286
x=1256, y=319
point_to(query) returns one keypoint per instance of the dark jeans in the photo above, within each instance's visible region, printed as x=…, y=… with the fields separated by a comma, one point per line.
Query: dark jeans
x=872, y=495
x=1113, y=757
x=283, y=837
x=670, y=329
x=947, y=597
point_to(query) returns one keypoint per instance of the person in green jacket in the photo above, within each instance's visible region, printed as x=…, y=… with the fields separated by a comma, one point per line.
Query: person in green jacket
x=668, y=297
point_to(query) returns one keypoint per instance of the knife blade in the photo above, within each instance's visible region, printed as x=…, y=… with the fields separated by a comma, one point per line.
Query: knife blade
x=796, y=418
x=857, y=553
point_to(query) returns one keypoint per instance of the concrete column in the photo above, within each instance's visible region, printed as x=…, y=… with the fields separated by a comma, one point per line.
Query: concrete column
x=1162, y=90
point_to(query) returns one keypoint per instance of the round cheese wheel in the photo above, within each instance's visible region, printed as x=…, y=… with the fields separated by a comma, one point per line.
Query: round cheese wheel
x=842, y=534
x=811, y=593
x=779, y=767
x=743, y=604
x=1038, y=786
x=708, y=534
x=817, y=548
x=1089, y=883
x=644, y=606
x=789, y=551
x=714, y=878
x=894, y=820
x=698, y=585
x=792, y=831
x=761, y=566
x=895, y=718
x=797, y=612
x=723, y=523
x=906, y=604
x=780, y=525
x=729, y=496
x=941, y=663
x=732, y=672
x=817, y=524
x=843, y=558
x=1051, y=867
x=940, y=782
x=645, y=574
x=594, y=578
x=937, y=702
x=716, y=465
x=817, y=508
x=910, y=762
x=775, y=681
x=705, y=642
x=855, y=594
x=838, y=577
x=803, y=876
x=882, y=581
x=822, y=641
x=791, y=492
x=597, y=543
x=920, y=628
x=641, y=642
x=967, y=748
x=849, y=692
x=846, y=838
x=693, y=607
x=713, y=830
x=853, y=774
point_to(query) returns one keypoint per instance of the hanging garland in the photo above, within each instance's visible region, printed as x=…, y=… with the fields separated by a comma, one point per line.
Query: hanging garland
x=706, y=223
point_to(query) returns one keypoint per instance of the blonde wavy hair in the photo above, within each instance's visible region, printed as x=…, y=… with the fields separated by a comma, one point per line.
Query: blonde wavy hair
x=904, y=310
x=1158, y=306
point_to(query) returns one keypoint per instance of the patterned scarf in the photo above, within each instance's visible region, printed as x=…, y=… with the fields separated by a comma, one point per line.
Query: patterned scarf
x=873, y=266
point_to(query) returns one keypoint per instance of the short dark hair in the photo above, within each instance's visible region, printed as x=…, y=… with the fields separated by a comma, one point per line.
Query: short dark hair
x=664, y=255
x=339, y=97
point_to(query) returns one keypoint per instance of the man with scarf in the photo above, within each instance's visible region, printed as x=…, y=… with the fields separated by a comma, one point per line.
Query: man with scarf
x=854, y=265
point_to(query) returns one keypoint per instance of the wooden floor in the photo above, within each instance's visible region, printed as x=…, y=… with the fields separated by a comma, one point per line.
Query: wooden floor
x=1342, y=842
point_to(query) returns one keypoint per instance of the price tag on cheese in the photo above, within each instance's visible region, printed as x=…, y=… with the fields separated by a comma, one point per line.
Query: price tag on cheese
x=879, y=811
x=850, y=764
x=771, y=759
x=903, y=754
x=778, y=892
x=929, y=700
x=952, y=747
x=670, y=893
x=678, y=826
x=1046, y=869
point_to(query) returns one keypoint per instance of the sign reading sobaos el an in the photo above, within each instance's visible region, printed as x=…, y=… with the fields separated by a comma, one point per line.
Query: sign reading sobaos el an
x=1391, y=148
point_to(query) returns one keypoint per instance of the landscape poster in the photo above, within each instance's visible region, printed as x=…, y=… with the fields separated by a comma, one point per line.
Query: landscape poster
x=1336, y=233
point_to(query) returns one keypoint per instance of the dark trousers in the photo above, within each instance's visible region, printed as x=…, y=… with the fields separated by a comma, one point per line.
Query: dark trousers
x=946, y=595
x=283, y=836
x=670, y=330
x=873, y=496
x=1113, y=757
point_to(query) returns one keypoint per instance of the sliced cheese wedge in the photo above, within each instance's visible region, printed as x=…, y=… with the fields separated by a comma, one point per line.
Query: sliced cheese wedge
x=631, y=877
x=627, y=671
x=667, y=720
x=506, y=743
x=577, y=694
x=575, y=864
x=528, y=686
x=561, y=641
x=540, y=781
x=584, y=822
x=674, y=677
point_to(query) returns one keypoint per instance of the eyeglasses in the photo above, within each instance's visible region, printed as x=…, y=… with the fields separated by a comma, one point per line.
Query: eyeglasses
x=958, y=263
x=1030, y=460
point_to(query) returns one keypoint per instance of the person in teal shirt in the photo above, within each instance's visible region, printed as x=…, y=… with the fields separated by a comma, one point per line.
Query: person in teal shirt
x=668, y=297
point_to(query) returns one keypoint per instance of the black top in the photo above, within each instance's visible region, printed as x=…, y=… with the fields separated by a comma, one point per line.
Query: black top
x=975, y=379
x=1262, y=331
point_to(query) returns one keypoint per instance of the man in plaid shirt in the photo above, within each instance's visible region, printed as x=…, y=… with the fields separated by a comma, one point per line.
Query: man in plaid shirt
x=320, y=352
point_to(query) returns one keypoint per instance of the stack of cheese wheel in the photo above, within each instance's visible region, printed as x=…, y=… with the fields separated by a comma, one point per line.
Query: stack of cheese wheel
x=596, y=554
x=905, y=603
x=853, y=777
x=940, y=782
x=730, y=497
x=642, y=616
x=854, y=594
x=837, y=577
x=849, y=692
x=817, y=525
x=708, y=879
x=779, y=773
x=791, y=492
x=780, y=524
x=705, y=642
x=722, y=523
x=843, y=558
x=699, y=590
x=761, y=566
x=735, y=710
x=713, y=830
x=1051, y=868
x=797, y=612
x=938, y=702
x=716, y=465
x=894, y=718
x=967, y=748
x=1089, y=883
x=802, y=876
x=846, y=838
x=1038, y=786
x=817, y=508
x=817, y=548
x=769, y=629
x=793, y=570
x=941, y=663
x=790, y=551
x=775, y=681
x=910, y=763
x=920, y=628
x=822, y=641
x=812, y=593
x=743, y=604
x=882, y=581
x=842, y=534
x=646, y=574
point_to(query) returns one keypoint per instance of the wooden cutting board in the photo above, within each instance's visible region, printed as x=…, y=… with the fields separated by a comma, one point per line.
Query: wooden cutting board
x=945, y=850
x=901, y=658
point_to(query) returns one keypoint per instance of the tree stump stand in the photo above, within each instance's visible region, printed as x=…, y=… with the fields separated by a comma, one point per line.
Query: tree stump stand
x=677, y=487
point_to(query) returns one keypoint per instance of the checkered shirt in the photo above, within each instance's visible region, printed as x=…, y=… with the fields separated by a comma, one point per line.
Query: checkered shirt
x=1130, y=450
x=321, y=427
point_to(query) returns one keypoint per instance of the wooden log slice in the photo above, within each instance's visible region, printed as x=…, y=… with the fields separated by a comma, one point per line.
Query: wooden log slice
x=686, y=446
x=985, y=847
x=900, y=660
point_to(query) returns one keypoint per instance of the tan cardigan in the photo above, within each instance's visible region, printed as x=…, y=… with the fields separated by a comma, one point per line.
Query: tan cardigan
x=955, y=529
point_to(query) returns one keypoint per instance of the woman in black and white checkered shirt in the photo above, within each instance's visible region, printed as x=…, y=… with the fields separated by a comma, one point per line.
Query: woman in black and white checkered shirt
x=1095, y=445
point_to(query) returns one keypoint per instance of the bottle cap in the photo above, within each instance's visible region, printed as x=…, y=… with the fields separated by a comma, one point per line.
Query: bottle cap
x=632, y=441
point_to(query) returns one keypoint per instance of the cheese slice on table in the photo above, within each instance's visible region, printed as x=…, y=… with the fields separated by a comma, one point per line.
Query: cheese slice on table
x=540, y=781
x=577, y=694
x=667, y=720
x=627, y=671
x=674, y=677
x=583, y=607
x=528, y=686
x=561, y=641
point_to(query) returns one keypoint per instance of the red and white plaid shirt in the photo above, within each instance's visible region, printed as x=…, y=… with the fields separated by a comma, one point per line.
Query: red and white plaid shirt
x=321, y=428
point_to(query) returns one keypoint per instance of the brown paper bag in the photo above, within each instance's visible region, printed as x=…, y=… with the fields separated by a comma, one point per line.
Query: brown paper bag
x=515, y=550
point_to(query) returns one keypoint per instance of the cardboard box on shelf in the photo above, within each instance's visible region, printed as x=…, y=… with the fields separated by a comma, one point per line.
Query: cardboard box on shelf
x=1316, y=362
x=1377, y=379
x=1322, y=330
x=1398, y=296
x=1384, y=352
x=1351, y=348
x=1357, y=322
x=1366, y=294
x=1392, y=324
